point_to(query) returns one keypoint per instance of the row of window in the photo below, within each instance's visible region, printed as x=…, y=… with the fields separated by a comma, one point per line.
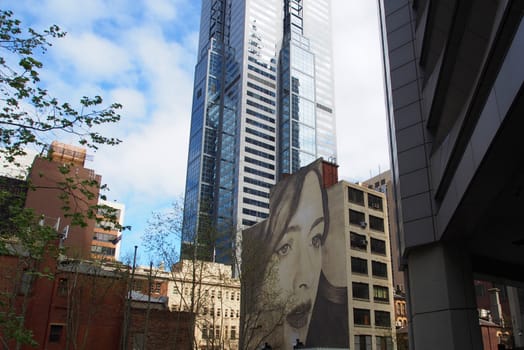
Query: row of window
x=257, y=182
x=378, y=269
x=260, y=134
x=102, y=250
x=259, y=173
x=228, y=295
x=256, y=203
x=256, y=192
x=361, y=291
x=362, y=317
x=363, y=342
x=359, y=218
x=213, y=332
x=359, y=241
x=260, y=153
x=218, y=312
x=260, y=144
x=260, y=125
x=254, y=213
x=259, y=163
x=357, y=197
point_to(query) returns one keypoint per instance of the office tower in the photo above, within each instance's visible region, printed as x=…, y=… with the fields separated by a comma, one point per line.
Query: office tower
x=455, y=102
x=262, y=107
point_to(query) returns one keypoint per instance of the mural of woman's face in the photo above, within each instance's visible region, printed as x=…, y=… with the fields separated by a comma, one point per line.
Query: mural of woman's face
x=298, y=258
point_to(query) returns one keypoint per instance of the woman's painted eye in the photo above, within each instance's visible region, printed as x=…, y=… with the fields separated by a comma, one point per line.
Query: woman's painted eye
x=316, y=240
x=284, y=249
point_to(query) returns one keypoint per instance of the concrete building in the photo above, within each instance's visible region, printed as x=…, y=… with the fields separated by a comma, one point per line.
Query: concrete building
x=319, y=268
x=363, y=213
x=383, y=182
x=208, y=289
x=107, y=236
x=262, y=106
x=455, y=104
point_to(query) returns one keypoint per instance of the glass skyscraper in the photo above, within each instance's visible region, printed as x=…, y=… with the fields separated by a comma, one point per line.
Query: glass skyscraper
x=262, y=107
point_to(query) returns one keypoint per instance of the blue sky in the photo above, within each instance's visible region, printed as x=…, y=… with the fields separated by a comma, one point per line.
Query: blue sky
x=142, y=53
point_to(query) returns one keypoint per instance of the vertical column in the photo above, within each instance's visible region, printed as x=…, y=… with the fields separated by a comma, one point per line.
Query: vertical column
x=443, y=308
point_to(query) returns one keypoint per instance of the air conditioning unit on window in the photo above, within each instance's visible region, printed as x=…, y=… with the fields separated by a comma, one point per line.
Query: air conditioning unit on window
x=363, y=224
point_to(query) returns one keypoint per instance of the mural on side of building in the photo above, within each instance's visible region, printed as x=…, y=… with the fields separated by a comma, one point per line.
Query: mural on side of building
x=293, y=292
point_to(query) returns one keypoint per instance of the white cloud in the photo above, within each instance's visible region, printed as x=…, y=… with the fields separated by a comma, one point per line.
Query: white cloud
x=92, y=57
x=163, y=10
x=133, y=101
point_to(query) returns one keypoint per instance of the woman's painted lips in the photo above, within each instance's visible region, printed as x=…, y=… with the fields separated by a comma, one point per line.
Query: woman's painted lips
x=298, y=317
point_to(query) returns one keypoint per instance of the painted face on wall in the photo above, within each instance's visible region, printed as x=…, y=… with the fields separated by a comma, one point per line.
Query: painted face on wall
x=298, y=258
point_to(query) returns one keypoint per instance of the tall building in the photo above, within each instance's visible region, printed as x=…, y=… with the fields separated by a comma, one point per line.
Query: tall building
x=262, y=107
x=319, y=268
x=455, y=103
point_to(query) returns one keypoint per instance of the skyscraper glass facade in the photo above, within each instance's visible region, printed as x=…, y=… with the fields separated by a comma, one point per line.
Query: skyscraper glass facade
x=262, y=107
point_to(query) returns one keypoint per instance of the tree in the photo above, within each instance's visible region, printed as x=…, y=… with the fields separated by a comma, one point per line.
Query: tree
x=29, y=112
x=201, y=286
x=29, y=115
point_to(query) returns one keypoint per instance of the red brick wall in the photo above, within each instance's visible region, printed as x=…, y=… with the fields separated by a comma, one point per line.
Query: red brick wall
x=166, y=329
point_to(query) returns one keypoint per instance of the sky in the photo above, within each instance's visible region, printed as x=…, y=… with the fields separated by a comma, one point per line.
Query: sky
x=142, y=53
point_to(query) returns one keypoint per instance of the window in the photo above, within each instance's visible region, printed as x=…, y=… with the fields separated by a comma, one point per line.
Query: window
x=219, y=294
x=380, y=293
x=238, y=296
x=61, y=289
x=355, y=196
x=359, y=265
x=233, y=332
x=217, y=331
x=358, y=241
x=379, y=269
x=374, y=202
x=479, y=290
x=382, y=319
x=218, y=312
x=378, y=246
x=376, y=223
x=360, y=290
x=204, y=331
x=25, y=284
x=357, y=218
x=384, y=343
x=55, y=333
x=232, y=295
x=138, y=341
x=361, y=317
x=204, y=312
x=155, y=287
x=362, y=342
x=238, y=313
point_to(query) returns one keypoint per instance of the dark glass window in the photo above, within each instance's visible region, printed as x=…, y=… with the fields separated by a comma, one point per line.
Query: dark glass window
x=359, y=265
x=376, y=223
x=355, y=196
x=379, y=269
x=358, y=241
x=384, y=343
x=62, y=288
x=55, y=333
x=357, y=218
x=362, y=342
x=380, y=293
x=361, y=317
x=378, y=246
x=360, y=290
x=382, y=319
x=375, y=202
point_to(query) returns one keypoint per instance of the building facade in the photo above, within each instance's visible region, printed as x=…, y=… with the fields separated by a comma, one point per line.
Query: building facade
x=209, y=290
x=262, y=106
x=319, y=268
x=364, y=213
x=107, y=236
x=454, y=97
